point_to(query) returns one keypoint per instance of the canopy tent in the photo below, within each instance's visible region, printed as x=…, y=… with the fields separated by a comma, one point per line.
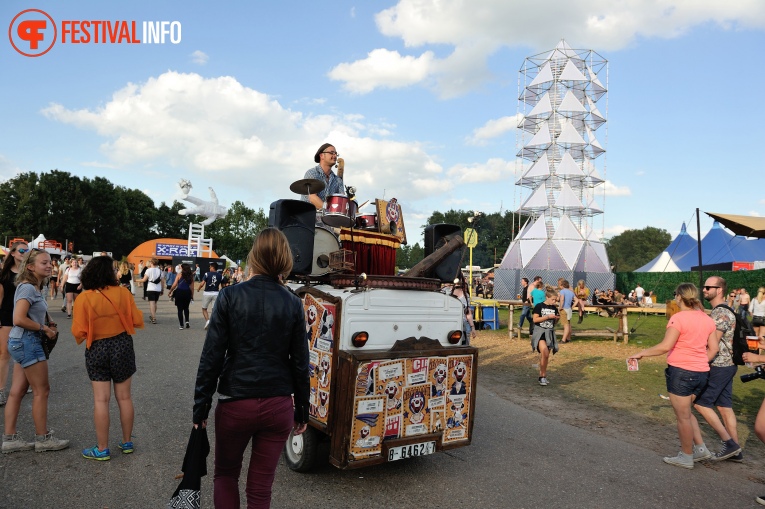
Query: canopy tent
x=717, y=247
x=747, y=226
x=677, y=249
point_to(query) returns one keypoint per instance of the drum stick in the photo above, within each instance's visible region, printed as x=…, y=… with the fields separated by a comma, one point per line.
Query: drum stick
x=363, y=204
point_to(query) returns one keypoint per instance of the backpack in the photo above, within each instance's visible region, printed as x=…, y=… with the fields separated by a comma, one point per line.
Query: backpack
x=742, y=330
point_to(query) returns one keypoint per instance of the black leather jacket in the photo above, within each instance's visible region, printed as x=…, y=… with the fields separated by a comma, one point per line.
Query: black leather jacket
x=255, y=347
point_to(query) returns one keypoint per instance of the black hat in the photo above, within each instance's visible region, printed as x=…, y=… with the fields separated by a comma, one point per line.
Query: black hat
x=321, y=149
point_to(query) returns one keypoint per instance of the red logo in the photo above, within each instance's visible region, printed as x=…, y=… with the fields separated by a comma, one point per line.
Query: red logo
x=30, y=30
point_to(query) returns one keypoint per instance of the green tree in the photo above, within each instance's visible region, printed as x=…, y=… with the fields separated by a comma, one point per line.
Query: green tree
x=495, y=232
x=233, y=234
x=632, y=249
x=170, y=223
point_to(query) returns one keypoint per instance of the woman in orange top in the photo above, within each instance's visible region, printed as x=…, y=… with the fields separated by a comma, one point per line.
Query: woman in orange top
x=105, y=317
x=691, y=344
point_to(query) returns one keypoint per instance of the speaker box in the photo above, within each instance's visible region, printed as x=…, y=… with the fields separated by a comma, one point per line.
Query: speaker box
x=434, y=239
x=297, y=220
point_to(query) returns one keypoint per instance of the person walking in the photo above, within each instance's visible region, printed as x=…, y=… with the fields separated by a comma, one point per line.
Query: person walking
x=719, y=389
x=154, y=284
x=258, y=334
x=106, y=318
x=211, y=283
x=181, y=292
x=526, y=310
x=691, y=343
x=53, y=281
x=757, y=309
x=30, y=315
x=125, y=276
x=462, y=293
x=543, y=339
x=743, y=304
x=8, y=274
x=72, y=285
x=566, y=301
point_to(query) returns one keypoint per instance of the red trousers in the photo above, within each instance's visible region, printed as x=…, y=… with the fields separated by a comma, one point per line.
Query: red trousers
x=267, y=421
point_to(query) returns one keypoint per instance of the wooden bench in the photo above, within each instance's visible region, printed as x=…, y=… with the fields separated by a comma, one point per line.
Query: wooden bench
x=608, y=332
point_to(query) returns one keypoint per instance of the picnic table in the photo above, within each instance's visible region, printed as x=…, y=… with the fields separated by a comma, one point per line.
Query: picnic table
x=620, y=312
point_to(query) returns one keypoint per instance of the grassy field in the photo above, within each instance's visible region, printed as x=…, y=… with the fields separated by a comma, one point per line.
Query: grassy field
x=594, y=372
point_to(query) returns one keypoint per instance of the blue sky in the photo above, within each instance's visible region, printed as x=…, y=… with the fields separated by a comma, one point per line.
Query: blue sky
x=413, y=94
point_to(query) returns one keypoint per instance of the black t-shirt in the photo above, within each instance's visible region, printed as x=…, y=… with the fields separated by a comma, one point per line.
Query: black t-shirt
x=524, y=293
x=212, y=281
x=543, y=309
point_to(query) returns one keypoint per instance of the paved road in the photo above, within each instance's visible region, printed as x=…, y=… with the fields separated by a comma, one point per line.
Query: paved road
x=519, y=458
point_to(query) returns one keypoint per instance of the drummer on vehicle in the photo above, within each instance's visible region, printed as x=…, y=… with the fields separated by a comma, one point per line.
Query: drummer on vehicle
x=327, y=157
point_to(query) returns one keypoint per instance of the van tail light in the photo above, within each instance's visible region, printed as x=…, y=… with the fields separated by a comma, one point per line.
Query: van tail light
x=359, y=339
x=455, y=336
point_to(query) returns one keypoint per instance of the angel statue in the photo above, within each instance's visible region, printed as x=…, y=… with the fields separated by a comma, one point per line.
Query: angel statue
x=209, y=209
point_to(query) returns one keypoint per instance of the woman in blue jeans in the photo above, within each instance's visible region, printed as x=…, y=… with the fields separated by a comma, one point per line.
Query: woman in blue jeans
x=256, y=354
x=29, y=323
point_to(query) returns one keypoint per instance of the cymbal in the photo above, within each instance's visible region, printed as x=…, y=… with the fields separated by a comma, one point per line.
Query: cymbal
x=307, y=186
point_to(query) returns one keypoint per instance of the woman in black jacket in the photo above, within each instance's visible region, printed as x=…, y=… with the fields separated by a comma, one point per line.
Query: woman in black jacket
x=256, y=354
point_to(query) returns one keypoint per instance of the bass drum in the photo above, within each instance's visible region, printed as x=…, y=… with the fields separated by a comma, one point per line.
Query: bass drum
x=324, y=243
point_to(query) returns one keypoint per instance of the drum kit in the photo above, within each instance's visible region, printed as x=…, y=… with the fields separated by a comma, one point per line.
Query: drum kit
x=339, y=211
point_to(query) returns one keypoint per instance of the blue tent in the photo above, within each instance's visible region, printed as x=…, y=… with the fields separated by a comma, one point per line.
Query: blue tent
x=717, y=247
x=677, y=249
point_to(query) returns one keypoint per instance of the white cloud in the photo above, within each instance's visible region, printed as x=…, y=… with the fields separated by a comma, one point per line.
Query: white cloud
x=383, y=69
x=762, y=201
x=612, y=189
x=477, y=29
x=493, y=129
x=493, y=170
x=217, y=128
x=199, y=57
x=640, y=173
x=8, y=169
x=614, y=230
x=754, y=213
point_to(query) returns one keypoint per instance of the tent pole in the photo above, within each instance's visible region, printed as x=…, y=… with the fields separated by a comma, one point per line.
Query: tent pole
x=698, y=236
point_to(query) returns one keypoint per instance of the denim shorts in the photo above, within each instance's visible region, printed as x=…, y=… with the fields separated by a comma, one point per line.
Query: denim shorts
x=26, y=350
x=682, y=382
x=719, y=388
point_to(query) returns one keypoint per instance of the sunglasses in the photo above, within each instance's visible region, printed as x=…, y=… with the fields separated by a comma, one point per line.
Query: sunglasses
x=710, y=287
x=23, y=250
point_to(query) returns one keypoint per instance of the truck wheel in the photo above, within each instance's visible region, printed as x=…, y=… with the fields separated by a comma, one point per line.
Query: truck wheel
x=301, y=451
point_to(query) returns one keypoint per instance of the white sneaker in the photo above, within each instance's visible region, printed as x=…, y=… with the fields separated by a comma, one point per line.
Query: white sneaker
x=681, y=460
x=700, y=452
x=14, y=443
x=207, y=324
x=543, y=380
x=48, y=443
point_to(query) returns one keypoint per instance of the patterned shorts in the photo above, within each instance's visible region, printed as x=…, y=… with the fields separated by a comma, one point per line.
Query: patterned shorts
x=111, y=359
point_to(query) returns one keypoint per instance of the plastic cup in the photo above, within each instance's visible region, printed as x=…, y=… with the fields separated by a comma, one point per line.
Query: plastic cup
x=753, y=343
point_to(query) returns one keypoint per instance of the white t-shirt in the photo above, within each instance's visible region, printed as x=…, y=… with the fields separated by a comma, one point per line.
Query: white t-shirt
x=153, y=273
x=73, y=275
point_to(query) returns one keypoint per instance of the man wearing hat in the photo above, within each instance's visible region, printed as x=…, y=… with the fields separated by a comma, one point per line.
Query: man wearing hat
x=211, y=283
x=327, y=157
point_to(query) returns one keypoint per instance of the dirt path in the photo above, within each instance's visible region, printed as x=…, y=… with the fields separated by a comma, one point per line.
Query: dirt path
x=582, y=394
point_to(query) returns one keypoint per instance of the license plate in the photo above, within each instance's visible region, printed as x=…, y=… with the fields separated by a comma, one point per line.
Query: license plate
x=410, y=451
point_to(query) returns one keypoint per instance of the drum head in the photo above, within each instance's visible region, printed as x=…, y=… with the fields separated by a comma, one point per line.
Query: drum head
x=324, y=243
x=337, y=220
